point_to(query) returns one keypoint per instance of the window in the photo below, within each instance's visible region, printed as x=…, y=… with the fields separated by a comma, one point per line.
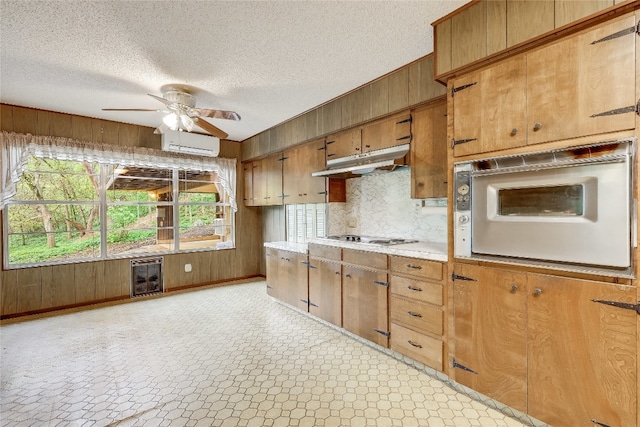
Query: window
x=69, y=211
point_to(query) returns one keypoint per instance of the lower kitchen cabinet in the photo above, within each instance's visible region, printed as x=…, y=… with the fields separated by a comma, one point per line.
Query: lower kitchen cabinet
x=364, y=303
x=273, y=277
x=415, y=309
x=581, y=352
x=287, y=277
x=325, y=290
x=560, y=349
x=490, y=309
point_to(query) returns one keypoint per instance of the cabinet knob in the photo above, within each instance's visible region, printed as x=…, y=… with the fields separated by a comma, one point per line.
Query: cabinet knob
x=537, y=292
x=537, y=126
x=514, y=288
x=514, y=131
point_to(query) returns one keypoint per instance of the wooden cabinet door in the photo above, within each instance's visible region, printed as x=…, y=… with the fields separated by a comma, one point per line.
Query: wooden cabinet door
x=364, y=304
x=293, y=176
x=313, y=160
x=259, y=183
x=491, y=333
x=469, y=35
x=488, y=113
x=429, y=151
x=247, y=171
x=325, y=290
x=273, y=276
x=272, y=172
x=293, y=279
x=573, y=85
x=344, y=144
x=527, y=19
x=298, y=165
x=582, y=354
x=388, y=132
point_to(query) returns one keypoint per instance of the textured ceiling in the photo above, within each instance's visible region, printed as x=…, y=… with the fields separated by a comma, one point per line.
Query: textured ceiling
x=266, y=60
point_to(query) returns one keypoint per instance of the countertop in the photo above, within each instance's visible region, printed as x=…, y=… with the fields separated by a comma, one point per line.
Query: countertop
x=301, y=248
x=422, y=250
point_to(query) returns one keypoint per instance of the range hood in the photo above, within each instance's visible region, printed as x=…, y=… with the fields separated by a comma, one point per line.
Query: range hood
x=358, y=164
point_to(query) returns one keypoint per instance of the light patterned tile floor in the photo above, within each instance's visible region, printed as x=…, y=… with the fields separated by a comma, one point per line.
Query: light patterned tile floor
x=227, y=356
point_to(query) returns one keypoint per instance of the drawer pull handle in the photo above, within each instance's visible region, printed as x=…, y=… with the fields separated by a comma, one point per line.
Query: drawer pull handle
x=416, y=267
x=414, y=289
x=411, y=313
x=414, y=344
x=348, y=276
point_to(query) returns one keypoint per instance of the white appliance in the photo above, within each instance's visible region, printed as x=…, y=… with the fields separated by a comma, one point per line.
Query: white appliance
x=570, y=207
x=190, y=143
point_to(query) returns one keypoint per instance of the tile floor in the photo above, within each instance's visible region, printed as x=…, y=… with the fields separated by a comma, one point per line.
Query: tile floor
x=226, y=356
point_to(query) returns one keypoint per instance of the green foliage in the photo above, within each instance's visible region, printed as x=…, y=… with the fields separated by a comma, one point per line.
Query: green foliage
x=36, y=249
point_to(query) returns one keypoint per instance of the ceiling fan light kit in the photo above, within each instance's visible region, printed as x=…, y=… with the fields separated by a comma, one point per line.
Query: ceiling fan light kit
x=183, y=114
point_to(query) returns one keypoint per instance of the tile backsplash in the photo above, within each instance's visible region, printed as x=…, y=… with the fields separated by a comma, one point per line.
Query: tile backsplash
x=380, y=204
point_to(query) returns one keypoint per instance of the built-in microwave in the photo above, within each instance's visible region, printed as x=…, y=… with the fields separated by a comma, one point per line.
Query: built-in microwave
x=569, y=208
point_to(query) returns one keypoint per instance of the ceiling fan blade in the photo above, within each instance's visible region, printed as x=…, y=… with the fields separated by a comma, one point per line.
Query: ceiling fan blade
x=218, y=114
x=128, y=109
x=210, y=128
x=161, y=129
x=164, y=101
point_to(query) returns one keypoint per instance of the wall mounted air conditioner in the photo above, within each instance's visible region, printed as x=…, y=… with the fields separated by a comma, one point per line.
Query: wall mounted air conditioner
x=190, y=143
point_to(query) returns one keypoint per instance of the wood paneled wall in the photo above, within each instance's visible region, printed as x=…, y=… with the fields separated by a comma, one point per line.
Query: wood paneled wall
x=38, y=289
x=401, y=89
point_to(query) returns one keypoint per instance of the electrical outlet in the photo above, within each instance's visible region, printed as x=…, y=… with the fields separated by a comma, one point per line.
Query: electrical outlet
x=187, y=268
x=352, y=222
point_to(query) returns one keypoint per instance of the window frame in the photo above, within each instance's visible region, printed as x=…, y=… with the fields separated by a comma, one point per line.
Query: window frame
x=103, y=203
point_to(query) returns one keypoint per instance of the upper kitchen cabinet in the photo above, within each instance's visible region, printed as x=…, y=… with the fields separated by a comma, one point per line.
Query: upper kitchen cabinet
x=263, y=181
x=488, y=108
x=394, y=130
x=429, y=151
x=486, y=28
x=247, y=172
x=344, y=144
x=581, y=85
x=527, y=19
x=584, y=84
x=298, y=164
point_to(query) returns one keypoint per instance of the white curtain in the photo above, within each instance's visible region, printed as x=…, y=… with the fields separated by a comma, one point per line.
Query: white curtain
x=16, y=148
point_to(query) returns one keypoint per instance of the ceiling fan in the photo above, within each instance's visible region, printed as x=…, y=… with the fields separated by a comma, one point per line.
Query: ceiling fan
x=182, y=114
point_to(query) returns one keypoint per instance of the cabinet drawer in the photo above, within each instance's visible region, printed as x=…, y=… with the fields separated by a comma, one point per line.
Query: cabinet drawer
x=419, y=347
x=416, y=289
x=416, y=267
x=366, y=259
x=417, y=316
x=324, y=251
